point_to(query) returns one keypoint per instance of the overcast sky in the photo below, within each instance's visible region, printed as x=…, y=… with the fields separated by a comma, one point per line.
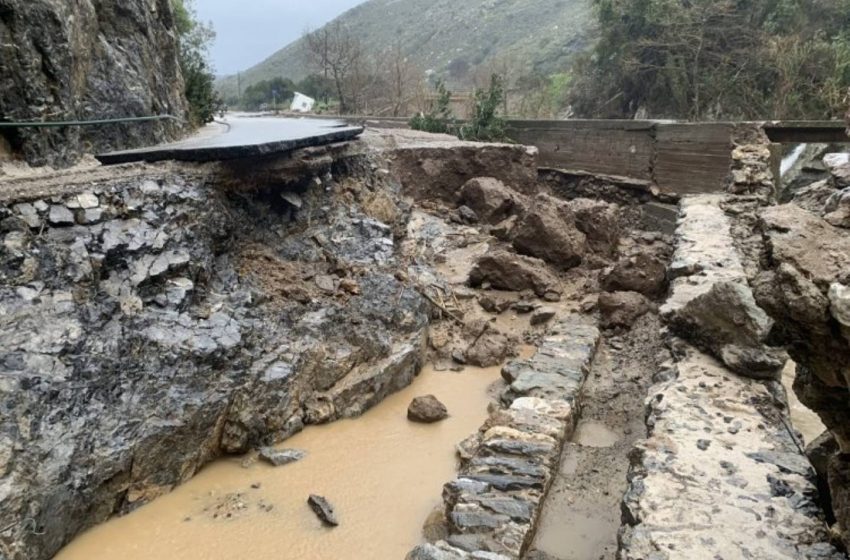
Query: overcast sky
x=251, y=30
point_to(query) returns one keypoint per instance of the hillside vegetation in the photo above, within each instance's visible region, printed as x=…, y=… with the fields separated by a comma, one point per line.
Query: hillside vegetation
x=463, y=42
x=717, y=59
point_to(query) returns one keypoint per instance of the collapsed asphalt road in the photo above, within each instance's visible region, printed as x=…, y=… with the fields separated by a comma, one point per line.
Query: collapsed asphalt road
x=242, y=137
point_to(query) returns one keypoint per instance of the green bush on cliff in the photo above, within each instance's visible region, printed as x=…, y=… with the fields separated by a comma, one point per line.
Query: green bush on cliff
x=195, y=38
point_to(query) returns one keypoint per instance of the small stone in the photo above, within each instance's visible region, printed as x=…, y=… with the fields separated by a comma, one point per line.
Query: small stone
x=86, y=201
x=28, y=214
x=427, y=410
x=60, y=216
x=494, y=304
x=323, y=509
x=280, y=457
x=325, y=283
x=467, y=215
x=524, y=307
x=490, y=349
x=542, y=316
x=90, y=216
x=458, y=356
x=350, y=286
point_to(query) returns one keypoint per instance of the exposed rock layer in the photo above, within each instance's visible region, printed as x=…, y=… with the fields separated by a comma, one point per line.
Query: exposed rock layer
x=149, y=326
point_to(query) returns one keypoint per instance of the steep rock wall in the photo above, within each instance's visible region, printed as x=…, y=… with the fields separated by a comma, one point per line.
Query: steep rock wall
x=87, y=59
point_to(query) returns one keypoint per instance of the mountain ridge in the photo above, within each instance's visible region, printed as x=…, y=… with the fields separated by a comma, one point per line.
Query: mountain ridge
x=450, y=40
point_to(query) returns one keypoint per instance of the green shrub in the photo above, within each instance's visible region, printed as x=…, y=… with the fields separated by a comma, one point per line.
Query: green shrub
x=486, y=125
x=195, y=38
x=439, y=119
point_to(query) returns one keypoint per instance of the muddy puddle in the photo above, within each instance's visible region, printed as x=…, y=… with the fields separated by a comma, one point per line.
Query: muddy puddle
x=383, y=474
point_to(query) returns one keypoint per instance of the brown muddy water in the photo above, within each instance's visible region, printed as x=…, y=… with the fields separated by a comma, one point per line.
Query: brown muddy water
x=383, y=474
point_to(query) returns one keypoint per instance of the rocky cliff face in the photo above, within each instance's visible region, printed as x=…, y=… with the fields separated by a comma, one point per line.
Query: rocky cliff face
x=154, y=321
x=148, y=326
x=87, y=59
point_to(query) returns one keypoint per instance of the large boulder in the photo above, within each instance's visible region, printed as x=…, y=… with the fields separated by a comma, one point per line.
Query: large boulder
x=508, y=271
x=622, y=309
x=490, y=199
x=548, y=231
x=642, y=272
x=727, y=321
x=599, y=221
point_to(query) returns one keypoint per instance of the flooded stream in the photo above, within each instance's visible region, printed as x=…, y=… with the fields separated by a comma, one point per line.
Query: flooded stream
x=383, y=474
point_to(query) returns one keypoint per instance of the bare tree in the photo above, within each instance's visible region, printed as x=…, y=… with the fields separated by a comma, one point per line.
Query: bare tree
x=404, y=80
x=337, y=53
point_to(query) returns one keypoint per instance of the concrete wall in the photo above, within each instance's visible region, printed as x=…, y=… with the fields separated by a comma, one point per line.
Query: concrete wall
x=678, y=158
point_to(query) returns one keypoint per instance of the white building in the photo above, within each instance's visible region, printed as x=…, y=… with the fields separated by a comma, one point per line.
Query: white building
x=301, y=103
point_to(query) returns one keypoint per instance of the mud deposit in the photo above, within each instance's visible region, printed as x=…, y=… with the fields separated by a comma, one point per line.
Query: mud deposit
x=582, y=514
x=382, y=473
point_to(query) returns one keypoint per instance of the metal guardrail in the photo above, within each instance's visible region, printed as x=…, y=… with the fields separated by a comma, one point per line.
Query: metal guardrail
x=57, y=124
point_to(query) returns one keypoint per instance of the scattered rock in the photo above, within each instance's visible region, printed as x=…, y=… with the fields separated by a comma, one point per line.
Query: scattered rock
x=837, y=209
x=86, y=201
x=524, y=307
x=622, y=309
x=504, y=229
x=427, y=410
x=642, y=273
x=436, y=527
x=727, y=321
x=548, y=231
x=326, y=283
x=841, y=176
x=439, y=551
x=600, y=222
x=28, y=214
x=60, y=216
x=508, y=271
x=814, y=197
x=467, y=215
x=323, y=510
x=490, y=349
x=542, y=316
x=496, y=304
x=490, y=200
x=280, y=457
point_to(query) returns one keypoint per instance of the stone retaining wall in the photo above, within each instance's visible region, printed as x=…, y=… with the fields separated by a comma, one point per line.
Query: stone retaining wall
x=722, y=473
x=506, y=469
